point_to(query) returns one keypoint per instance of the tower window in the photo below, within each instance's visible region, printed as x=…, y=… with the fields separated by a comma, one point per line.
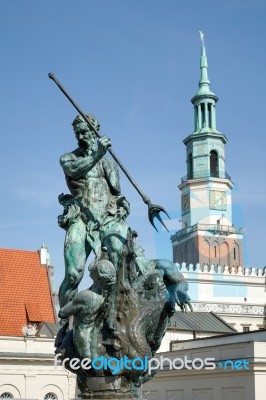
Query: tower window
x=210, y=114
x=234, y=253
x=190, y=166
x=203, y=121
x=214, y=169
x=196, y=118
x=215, y=251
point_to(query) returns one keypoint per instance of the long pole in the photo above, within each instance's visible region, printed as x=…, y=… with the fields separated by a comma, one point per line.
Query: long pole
x=117, y=160
x=153, y=209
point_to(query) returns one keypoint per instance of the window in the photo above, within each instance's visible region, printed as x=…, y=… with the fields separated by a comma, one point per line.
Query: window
x=210, y=114
x=214, y=164
x=196, y=117
x=203, y=121
x=245, y=328
x=191, y=172
x=50, y=396
x=6, y=395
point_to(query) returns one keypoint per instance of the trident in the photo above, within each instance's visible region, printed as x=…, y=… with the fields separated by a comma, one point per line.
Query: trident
x=153, y=209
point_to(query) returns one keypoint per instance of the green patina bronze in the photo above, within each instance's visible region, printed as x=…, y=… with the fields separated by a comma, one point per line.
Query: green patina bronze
x=127, y=309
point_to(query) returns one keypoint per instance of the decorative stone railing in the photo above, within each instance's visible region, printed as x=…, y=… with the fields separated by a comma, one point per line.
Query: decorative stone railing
x=229, y=308
x=213, y=269
x=206, y=174
x=221, y=229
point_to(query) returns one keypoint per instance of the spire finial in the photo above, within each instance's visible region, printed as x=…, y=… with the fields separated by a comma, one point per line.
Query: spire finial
x=204, y=83
x=202, y=38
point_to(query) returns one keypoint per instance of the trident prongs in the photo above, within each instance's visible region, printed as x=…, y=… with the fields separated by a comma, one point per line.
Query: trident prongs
x=154, y=212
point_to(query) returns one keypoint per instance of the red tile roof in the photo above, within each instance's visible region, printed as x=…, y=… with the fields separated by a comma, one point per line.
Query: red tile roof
x=24, y=291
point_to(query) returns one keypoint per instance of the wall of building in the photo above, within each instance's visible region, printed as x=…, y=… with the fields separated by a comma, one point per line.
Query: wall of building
x=207, y=248
x=217, y=384
x=237, y=295
x=27, y=370
x=200, y=210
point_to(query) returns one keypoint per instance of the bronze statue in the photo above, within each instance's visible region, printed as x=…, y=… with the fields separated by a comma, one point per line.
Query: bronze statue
x=122, y=318
x=93, y=181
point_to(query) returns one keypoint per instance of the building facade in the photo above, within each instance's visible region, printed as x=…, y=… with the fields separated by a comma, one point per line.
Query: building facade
x=237, y=295
x=27, y=370
x=231, y=379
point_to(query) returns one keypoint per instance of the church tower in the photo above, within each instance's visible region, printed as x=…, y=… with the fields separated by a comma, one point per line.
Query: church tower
x=208, y=235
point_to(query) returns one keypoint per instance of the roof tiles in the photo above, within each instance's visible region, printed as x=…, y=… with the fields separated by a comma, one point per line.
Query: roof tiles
x=24, y=292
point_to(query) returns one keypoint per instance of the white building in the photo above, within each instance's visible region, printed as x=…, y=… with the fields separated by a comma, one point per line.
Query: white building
x=237, y=295
x=229, y=380
x=27, y=370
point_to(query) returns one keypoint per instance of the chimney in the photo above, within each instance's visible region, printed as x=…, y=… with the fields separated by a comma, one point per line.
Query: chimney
x=44, y=255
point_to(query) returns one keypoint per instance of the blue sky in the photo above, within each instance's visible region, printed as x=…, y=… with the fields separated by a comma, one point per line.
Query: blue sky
x=135, y=65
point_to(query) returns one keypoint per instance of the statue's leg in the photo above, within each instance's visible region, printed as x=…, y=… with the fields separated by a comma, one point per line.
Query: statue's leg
x=76, y=252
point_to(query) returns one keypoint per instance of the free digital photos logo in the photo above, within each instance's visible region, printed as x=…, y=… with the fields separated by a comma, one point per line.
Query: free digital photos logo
x=161, y=363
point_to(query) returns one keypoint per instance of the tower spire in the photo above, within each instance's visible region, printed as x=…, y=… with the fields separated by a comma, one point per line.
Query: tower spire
x=204, y=83
x=204, y=100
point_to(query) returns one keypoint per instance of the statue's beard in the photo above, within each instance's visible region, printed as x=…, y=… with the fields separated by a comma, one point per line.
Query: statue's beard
x=87, y=145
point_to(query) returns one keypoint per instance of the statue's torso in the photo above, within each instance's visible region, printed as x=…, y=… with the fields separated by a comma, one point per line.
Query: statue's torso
x=91, y=190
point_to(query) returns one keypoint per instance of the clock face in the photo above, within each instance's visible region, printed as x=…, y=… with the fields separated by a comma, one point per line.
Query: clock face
x=218, y=200
x=185, y=204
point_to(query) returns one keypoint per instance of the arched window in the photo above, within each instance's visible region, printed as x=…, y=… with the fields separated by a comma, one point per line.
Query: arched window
x=50, y=396
x=190, y=159
x=6, y=395
x=214, y=167
x=236, y=254
x=215, y=253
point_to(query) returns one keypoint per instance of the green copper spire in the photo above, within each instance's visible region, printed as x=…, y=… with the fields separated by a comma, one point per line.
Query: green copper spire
x=204, y=100
x=204, y=83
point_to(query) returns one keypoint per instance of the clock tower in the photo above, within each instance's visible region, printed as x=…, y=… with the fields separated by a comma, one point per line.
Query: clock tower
x=208, y=235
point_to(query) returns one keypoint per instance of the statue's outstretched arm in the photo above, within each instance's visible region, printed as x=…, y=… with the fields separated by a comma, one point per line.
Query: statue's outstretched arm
x=78, y=167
